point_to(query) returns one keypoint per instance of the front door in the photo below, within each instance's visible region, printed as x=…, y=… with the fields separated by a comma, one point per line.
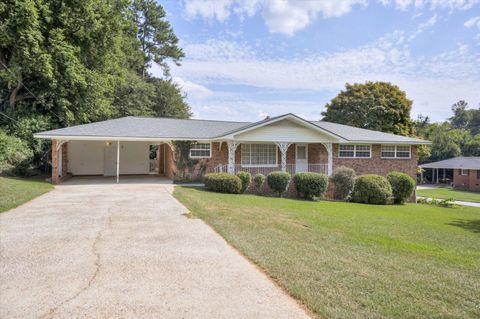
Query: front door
x=301, y=159
x=110, y=159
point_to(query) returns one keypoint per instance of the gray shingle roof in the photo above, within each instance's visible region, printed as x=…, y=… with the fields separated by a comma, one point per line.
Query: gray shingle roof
x=456, y=162
x=169, y=128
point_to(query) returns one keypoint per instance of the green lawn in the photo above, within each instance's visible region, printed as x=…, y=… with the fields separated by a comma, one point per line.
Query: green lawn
x=16, y=191
x=449, y=192
x=345, y=260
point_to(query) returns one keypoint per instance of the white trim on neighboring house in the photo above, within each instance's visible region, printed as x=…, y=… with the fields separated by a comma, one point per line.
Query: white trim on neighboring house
x=199, y=156
x=464, y=171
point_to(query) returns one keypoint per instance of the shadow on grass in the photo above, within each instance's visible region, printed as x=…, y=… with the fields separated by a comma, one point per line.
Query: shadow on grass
x=471, y=225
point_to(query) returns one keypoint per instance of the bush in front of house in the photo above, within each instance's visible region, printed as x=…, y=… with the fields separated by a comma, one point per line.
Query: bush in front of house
x=223, y=183
x=310, y=185
x=372, y=189
x=246, y=178
x=343, y=179
x=403, y=186
x=258, y=181
x=278, y=181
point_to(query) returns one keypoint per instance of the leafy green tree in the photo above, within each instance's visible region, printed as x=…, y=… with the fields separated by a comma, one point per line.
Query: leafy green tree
x=377, y=106
x=169, y=100
x=13, y=151
x=460, y=116
x=157, y=39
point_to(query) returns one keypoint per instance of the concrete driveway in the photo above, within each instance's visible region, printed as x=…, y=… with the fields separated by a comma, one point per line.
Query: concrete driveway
x=89, y=250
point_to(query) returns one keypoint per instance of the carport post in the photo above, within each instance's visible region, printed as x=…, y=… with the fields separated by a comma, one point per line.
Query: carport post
x=118, y=161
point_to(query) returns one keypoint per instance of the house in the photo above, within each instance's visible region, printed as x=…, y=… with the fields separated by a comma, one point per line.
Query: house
x=466, y=171
x=287, y=142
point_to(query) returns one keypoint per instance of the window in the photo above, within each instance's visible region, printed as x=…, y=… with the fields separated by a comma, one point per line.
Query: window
x=395, y=151
x=464, y=172
x=259, y=155
x=354, y=151
x=478, y=173
x=200, y=150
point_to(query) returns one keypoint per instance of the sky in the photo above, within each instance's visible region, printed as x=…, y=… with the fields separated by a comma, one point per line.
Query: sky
x=248, y=59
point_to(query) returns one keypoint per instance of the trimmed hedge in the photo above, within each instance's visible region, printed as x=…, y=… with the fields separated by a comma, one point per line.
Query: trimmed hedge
x=372, y=189
x=403, y=186
x=245, y=177
x=278, y=181
x=258, y=181
x=343, y=179
x=223, y=183
x=310, y=185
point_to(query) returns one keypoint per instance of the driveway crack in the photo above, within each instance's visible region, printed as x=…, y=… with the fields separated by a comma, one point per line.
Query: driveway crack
x=98, y=237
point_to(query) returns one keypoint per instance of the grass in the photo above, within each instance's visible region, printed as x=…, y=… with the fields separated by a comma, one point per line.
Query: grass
x=346, y=260
x=16, y=191
x=449, y=192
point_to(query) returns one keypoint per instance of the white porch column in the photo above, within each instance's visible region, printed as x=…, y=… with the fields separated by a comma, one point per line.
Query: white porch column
x=283, y=149
x=329, y=148
x=232, y=147
x=118, y=161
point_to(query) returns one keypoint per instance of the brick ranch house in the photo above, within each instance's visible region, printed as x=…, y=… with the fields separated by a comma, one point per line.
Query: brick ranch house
x=464, y=170
x=123, y=146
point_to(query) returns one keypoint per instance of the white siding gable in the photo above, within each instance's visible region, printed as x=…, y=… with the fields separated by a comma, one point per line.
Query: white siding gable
x=284, y=131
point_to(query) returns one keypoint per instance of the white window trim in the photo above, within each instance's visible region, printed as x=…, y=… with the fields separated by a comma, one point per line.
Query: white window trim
x=260, y=165
x=210, y=152
x=395, y=151
x=355, y=151
x=463, y=170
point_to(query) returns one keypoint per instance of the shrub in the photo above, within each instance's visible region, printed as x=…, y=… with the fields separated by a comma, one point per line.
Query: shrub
x=402, y=186
x=245, y=177
x=372, y=189
x=223, y=183
x=278, y=181
x=344, y=180
x=258, y=181
x=310, y=185
x=15, y=154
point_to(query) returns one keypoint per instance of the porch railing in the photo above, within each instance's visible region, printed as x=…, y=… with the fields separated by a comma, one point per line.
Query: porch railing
x=265, y=170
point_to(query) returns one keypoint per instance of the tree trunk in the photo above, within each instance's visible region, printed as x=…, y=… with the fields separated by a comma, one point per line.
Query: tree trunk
x=14, y=94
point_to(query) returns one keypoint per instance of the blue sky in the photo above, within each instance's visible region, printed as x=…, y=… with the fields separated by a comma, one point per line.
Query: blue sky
x=252, y=58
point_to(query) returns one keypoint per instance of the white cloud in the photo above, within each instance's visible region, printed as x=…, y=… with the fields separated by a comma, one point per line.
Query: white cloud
x=433, y=83
x=475, y=21
x=424, y=26
x=290, y=16
x=193, y=90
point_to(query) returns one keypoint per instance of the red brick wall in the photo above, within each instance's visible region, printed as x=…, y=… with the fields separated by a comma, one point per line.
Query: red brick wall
x=56, y=179
x=377, y=165
x=469, y=182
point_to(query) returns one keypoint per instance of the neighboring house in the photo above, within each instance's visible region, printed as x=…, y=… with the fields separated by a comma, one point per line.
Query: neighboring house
x=466, y=171
x=287, y=142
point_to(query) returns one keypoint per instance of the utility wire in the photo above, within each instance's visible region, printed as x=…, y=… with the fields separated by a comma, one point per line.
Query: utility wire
x=29, y=91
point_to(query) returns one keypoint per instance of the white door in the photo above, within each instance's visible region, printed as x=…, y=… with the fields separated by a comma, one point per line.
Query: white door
x=110, y=160
x=301, y=159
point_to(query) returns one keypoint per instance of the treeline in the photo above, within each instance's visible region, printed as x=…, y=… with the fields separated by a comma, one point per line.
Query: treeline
x=458, y=136
x=64, y=63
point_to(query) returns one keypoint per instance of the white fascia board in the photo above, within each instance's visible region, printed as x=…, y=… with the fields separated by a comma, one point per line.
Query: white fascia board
x=391, y=142
x=116, y=138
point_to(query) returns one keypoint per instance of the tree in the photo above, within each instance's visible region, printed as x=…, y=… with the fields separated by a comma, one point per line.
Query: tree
x=157, y=39
x=377, y=106
x=460, y=116
x=169, y=100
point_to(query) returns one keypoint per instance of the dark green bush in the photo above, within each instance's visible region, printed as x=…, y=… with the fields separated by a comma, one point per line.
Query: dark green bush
x=310, y=185
x=223, y=183
x=343, y=179
x=258, y=181
x=245, y=177
x=372, y=189
x=278, y=181
x=403, y=186
x=15, y=154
